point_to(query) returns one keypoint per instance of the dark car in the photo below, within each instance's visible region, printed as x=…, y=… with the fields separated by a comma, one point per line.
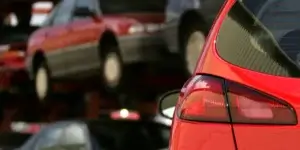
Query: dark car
x=105, y=39
x=186, y=27
x=11, y=141
x=106, y=134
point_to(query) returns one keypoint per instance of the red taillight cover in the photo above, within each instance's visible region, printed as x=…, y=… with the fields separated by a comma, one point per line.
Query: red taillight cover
x=250, y=106
x=204, y=101
x=214, y=99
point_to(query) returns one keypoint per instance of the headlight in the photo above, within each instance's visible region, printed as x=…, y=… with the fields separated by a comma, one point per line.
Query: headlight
x=153, y=27
x=136, y=29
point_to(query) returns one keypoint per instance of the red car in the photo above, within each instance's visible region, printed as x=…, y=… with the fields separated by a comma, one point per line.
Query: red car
x=244, y=93
x=106, y=39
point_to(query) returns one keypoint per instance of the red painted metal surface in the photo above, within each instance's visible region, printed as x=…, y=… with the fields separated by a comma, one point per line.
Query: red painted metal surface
x=215, y=136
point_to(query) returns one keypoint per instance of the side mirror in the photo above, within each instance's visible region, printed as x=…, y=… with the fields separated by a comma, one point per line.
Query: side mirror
x=83, y=12
x=167, y=103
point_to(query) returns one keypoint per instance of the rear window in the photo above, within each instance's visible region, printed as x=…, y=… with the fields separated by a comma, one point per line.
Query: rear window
x=262, y=35
x=131, y=6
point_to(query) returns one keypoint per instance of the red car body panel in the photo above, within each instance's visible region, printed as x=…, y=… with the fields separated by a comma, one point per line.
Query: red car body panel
x=215, y=136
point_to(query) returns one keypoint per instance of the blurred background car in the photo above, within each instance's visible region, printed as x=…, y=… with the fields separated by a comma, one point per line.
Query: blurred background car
x=244, y=94
x=13, y=43
x=125, y=132
x=108, y=40
x=144, y=83
x=186, y=27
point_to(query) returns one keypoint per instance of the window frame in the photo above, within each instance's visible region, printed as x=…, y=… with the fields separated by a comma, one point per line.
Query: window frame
x=51, y=16
x=59, y=8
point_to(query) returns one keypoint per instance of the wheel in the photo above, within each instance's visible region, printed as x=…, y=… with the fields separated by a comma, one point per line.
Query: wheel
x=42, y=82
x=112, y=69
x=194, y=40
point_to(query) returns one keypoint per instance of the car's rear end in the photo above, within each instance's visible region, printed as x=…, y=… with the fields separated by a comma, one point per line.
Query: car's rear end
x=244, y=93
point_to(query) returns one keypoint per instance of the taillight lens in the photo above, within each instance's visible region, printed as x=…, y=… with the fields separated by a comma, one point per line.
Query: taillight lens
x=214, y=99
x=125, y=114
x=204, y=101
x=250, y=106
x=23, y=127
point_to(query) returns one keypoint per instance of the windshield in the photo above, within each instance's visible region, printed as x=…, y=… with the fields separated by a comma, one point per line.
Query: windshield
x=132, y=6
x=264, y=36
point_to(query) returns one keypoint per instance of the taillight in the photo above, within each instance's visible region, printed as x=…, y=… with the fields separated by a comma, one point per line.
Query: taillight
x=204, y=101
x=250, y=106
x=23, y=127
x=125, y=114
x=213, y=99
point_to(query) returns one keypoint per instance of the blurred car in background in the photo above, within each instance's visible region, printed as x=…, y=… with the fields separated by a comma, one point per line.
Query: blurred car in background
x=244, y=94
x=108, y=40
x=15, y=30
x=186, y=28
x=123, y=133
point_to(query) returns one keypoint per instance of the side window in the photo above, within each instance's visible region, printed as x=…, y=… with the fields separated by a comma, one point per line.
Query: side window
x=74, y=135
x=49, y=138
x=84, y=3
x=64, y=12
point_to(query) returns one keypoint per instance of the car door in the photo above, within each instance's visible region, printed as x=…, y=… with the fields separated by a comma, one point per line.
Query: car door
x=85, y=33
x=75, y=137
x=58, y=37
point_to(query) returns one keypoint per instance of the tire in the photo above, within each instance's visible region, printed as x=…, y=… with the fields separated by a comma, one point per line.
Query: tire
x=193, y=42
x=112, y=69
x=42, y=82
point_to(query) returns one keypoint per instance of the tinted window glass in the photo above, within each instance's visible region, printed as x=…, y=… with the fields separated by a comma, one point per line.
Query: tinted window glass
x=85, y=3
x=262, y=36
x=129, y=6
x=74, y=135
x=64, y=12
x=49, y=138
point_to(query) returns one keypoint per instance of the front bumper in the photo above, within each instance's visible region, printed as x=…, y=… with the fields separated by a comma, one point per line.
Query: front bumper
x=143, y=47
